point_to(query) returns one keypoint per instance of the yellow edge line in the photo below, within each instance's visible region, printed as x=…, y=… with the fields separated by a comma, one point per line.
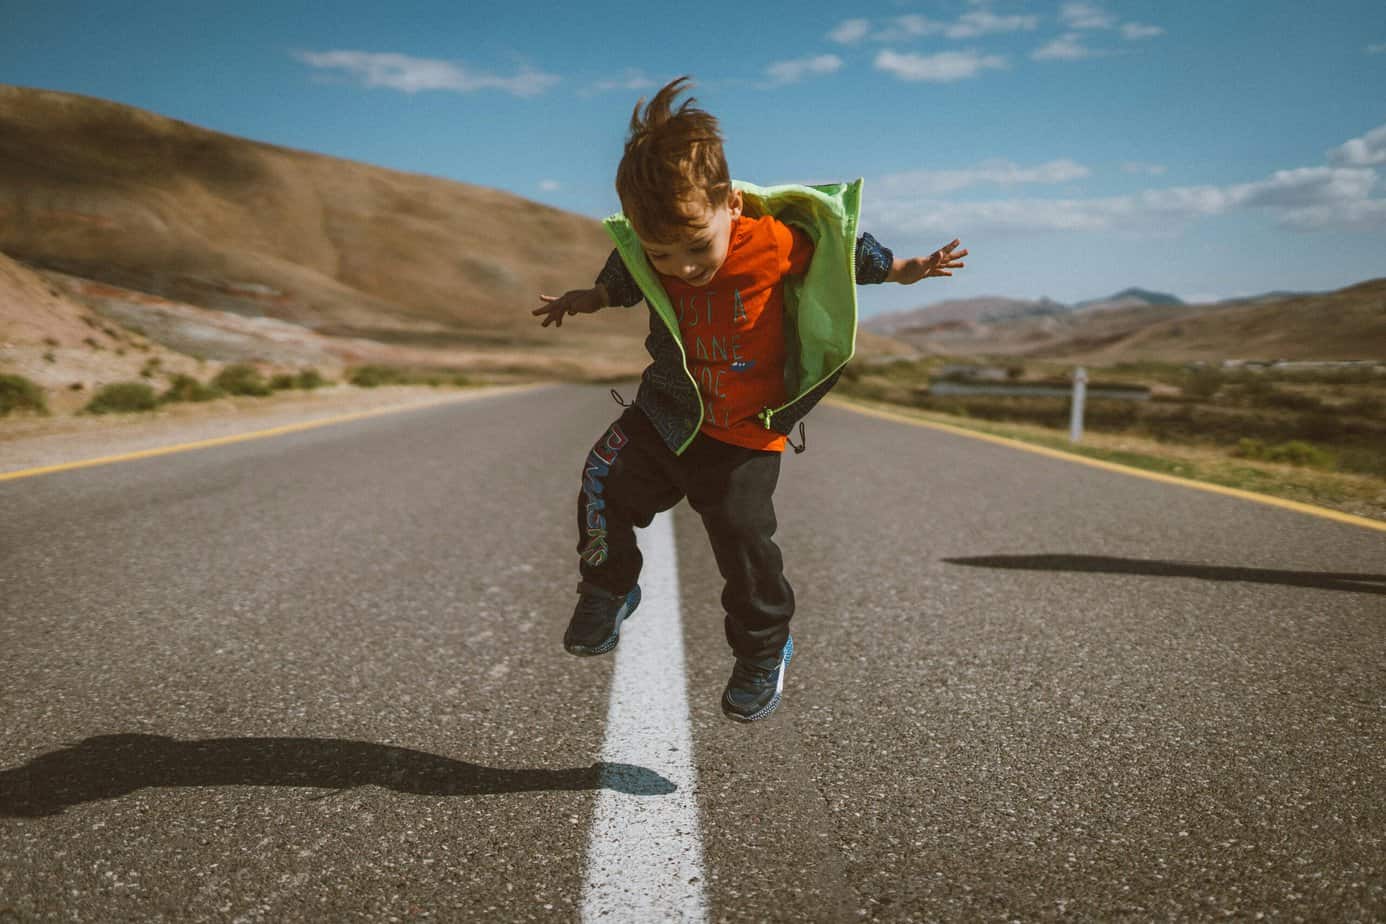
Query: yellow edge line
x=244, y=437
x=1310, y=509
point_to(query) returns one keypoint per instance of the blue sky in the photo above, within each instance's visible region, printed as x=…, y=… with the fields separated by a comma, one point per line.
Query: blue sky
x=1076, y=148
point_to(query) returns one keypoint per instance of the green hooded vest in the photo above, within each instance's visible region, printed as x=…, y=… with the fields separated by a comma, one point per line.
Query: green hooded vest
x=820, y=310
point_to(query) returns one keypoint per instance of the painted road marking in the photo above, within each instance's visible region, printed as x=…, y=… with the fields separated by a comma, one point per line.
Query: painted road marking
x=255, y=434
x=1321, y=512
x=645, y=856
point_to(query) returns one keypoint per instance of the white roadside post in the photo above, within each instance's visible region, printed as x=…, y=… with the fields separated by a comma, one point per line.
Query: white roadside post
x=1080, y=391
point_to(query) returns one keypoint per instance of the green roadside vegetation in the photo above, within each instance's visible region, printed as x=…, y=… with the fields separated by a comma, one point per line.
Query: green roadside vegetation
x=1310, y=434
x=20, y=394
x=373, y=376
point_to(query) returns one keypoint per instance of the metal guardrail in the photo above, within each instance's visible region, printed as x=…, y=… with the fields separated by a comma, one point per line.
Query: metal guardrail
x=1078, y=391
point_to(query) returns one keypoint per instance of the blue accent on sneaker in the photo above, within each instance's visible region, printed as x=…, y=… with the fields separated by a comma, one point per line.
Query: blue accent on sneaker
x=756, y=686
x=596, y=624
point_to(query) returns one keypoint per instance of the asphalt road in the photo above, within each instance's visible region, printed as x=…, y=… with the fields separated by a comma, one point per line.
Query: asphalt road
x=319, y=677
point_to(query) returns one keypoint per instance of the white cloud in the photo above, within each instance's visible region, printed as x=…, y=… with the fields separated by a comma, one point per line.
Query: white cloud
x=1305, y=199
x=969, y=25
x=793, y=71
x=1366, y=151
x=984, y=22
x=1138, y=30
x=1068, y=47
x=997, y=172
x=412, y=75
x=944, y=67
x=632, y=79
x=910, y=26
x=1143, y=168
x=1306, y=187
x=1085, y=16
x=550, y=185
x=850, y=31
x=1365, y=215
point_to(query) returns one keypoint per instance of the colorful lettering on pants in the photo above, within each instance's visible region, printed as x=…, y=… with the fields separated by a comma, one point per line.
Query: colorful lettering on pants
x=599, y=462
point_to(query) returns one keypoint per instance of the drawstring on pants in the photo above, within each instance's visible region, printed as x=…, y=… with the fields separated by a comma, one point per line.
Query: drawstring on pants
x=803, y=439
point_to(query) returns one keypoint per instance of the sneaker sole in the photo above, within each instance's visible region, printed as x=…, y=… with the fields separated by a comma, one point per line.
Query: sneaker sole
x=774, y=701
x=624, y=613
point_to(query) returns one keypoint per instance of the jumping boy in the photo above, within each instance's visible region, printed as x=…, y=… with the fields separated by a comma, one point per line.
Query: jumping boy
x=752, y=318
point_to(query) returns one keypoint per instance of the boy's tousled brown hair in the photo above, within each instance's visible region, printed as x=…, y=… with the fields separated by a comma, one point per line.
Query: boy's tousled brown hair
x=673, y=160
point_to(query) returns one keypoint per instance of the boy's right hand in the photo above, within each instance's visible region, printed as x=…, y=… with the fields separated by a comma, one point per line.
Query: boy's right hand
x=576, y=301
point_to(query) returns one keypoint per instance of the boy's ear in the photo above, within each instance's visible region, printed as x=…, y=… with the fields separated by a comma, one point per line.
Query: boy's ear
x=735, y=203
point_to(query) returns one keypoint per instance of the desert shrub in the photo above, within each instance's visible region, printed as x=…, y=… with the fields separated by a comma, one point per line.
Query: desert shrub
x=1332, y=375
x=241, y=379
x=1287, y=400
x=19, y=394
x=309, y=379
x=1294, y=452
x=375, y=376
x=1204, y=382
x=1363, y=460
x=281, y=382
x=186, y=388
x=1366, y=406
x=121, y=398
x=1249, y=448
x=151, y=366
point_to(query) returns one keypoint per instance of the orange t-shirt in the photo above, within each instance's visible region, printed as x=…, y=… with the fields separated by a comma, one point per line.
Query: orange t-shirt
x=733, y=329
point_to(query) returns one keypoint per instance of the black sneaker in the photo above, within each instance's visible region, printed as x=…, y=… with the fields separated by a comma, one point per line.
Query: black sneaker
x=596, y=624
x=755, y=686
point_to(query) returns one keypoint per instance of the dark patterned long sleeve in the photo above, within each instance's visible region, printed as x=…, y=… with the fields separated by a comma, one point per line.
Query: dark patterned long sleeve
x=621, y=288
x=873, y=260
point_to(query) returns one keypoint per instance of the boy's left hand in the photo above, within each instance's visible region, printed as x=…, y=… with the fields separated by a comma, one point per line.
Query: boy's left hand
x=938, y=263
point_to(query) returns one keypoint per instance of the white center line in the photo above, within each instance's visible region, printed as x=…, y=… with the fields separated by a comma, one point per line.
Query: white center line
x=645, y=857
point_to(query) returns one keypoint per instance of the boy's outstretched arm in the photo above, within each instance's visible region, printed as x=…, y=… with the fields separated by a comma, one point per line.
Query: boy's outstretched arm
x=574, y=301
x=939, y=263
x=614, y=286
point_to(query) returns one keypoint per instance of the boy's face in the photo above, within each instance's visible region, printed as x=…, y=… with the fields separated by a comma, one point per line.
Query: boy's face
x=698, y=251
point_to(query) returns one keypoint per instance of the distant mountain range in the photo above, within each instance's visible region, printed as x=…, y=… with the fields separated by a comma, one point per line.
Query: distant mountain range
x=998, y=308
x=1140, y=324
x=1128, y=298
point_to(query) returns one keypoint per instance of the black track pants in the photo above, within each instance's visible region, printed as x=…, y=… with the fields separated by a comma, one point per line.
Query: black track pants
x=630, y=475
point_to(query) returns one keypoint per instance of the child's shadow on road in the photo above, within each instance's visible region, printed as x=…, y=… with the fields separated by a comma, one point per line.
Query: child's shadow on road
x=1107, y=564
x=110, y=766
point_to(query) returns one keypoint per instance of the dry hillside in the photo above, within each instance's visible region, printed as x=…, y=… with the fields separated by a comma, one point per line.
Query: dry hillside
x=124, y=197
